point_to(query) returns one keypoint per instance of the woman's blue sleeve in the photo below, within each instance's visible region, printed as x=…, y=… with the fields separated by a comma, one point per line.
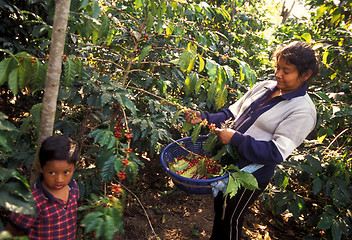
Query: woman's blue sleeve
x=262, y=152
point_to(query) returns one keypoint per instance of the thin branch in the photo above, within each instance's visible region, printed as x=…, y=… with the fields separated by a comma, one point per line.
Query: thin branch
x=149, y=93
x=338, y=135
x=140, y=203
x=138, y=38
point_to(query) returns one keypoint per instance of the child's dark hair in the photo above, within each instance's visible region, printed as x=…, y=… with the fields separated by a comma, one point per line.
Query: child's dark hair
x=301, y=55
x=58, y=147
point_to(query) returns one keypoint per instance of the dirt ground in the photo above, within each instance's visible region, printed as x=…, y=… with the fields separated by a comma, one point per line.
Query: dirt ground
x=175, y=214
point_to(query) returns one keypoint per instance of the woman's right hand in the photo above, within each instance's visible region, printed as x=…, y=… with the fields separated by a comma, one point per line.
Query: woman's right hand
x=193, y=117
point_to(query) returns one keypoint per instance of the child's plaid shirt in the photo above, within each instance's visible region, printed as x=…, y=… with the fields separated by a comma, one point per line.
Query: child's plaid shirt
x=54, y=219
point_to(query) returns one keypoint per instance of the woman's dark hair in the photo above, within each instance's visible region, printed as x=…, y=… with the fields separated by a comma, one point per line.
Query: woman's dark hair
x=301, y=55
x=58, y=147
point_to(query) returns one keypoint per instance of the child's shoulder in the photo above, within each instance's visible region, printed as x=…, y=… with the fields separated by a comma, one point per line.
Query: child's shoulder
x=37, y=190
x=74, y=186
x=73, y=183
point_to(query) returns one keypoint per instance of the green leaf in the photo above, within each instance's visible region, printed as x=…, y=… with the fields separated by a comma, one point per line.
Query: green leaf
x=38, y=76
x=163, y=8
x=201, y=64
x=95, y=9
x=210, y=143
x=125, y=101
x=221, y=79
x=314, y=162
x=211, y=93
x=155, y=137
x=138, y=4
x=150, y=21
x=180, y=165
x=344, y=112
x=6, y=125
x=93, y=133
x=170, y=28
x=324, y=96
x=6, y=66
x=309, y=169
x=202, y=167
x=92, y=220
x=104, y=28
x=5, y=175
x=118, y=165
x=221, y=98
x=325, y=58
x=108, y=170
x=190, y=83
x=247, y=180
x=343, y=186
x=186, y=60
x=176, y=116
x=232, y=151
x=198, y=84
x=213, y=69
x=321, y=10
x=190, y=172
x=95, y=35
x=325, y=221
x=229, y=73
x=232, y=186
x=187, y=126
x=69, y=72
x=245, y=72
x=13, y=81
x=104, y=137
x=106, y=98
x=336, y=17
x=15, y=194
x=336, y=231
x=281, y=179
x=131, y=172
x=196, y=131
x=17, y=198
x=79, y=67
x=111, y=224
x=145, y=51
x=25, y=69
x=307, y=37
x=195, y=231
x=219, y=154
x=7, y=140
x=295, y=207
x=330, y=210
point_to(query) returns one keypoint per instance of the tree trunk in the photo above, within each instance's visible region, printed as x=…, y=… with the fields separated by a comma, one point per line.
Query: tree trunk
x=52, y=80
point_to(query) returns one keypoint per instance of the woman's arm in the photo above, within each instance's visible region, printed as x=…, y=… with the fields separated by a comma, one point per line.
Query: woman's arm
x=289, y=134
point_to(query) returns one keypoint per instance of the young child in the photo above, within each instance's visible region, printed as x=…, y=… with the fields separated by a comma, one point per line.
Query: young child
x=55, y=194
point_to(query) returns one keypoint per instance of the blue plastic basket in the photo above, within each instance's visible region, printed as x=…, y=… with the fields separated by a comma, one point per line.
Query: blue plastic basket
x=190, y=185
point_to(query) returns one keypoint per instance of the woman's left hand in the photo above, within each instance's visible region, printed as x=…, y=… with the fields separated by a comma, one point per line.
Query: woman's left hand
x=224, y=135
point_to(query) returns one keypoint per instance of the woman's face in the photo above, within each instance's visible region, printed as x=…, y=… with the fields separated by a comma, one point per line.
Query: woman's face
x=287, y=76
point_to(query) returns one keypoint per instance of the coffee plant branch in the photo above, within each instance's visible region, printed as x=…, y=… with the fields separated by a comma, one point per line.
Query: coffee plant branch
x=140, y=203
x=138, y=37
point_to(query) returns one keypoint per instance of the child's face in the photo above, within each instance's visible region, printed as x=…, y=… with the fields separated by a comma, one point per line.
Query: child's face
x=287, y=76
x=56, y=174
